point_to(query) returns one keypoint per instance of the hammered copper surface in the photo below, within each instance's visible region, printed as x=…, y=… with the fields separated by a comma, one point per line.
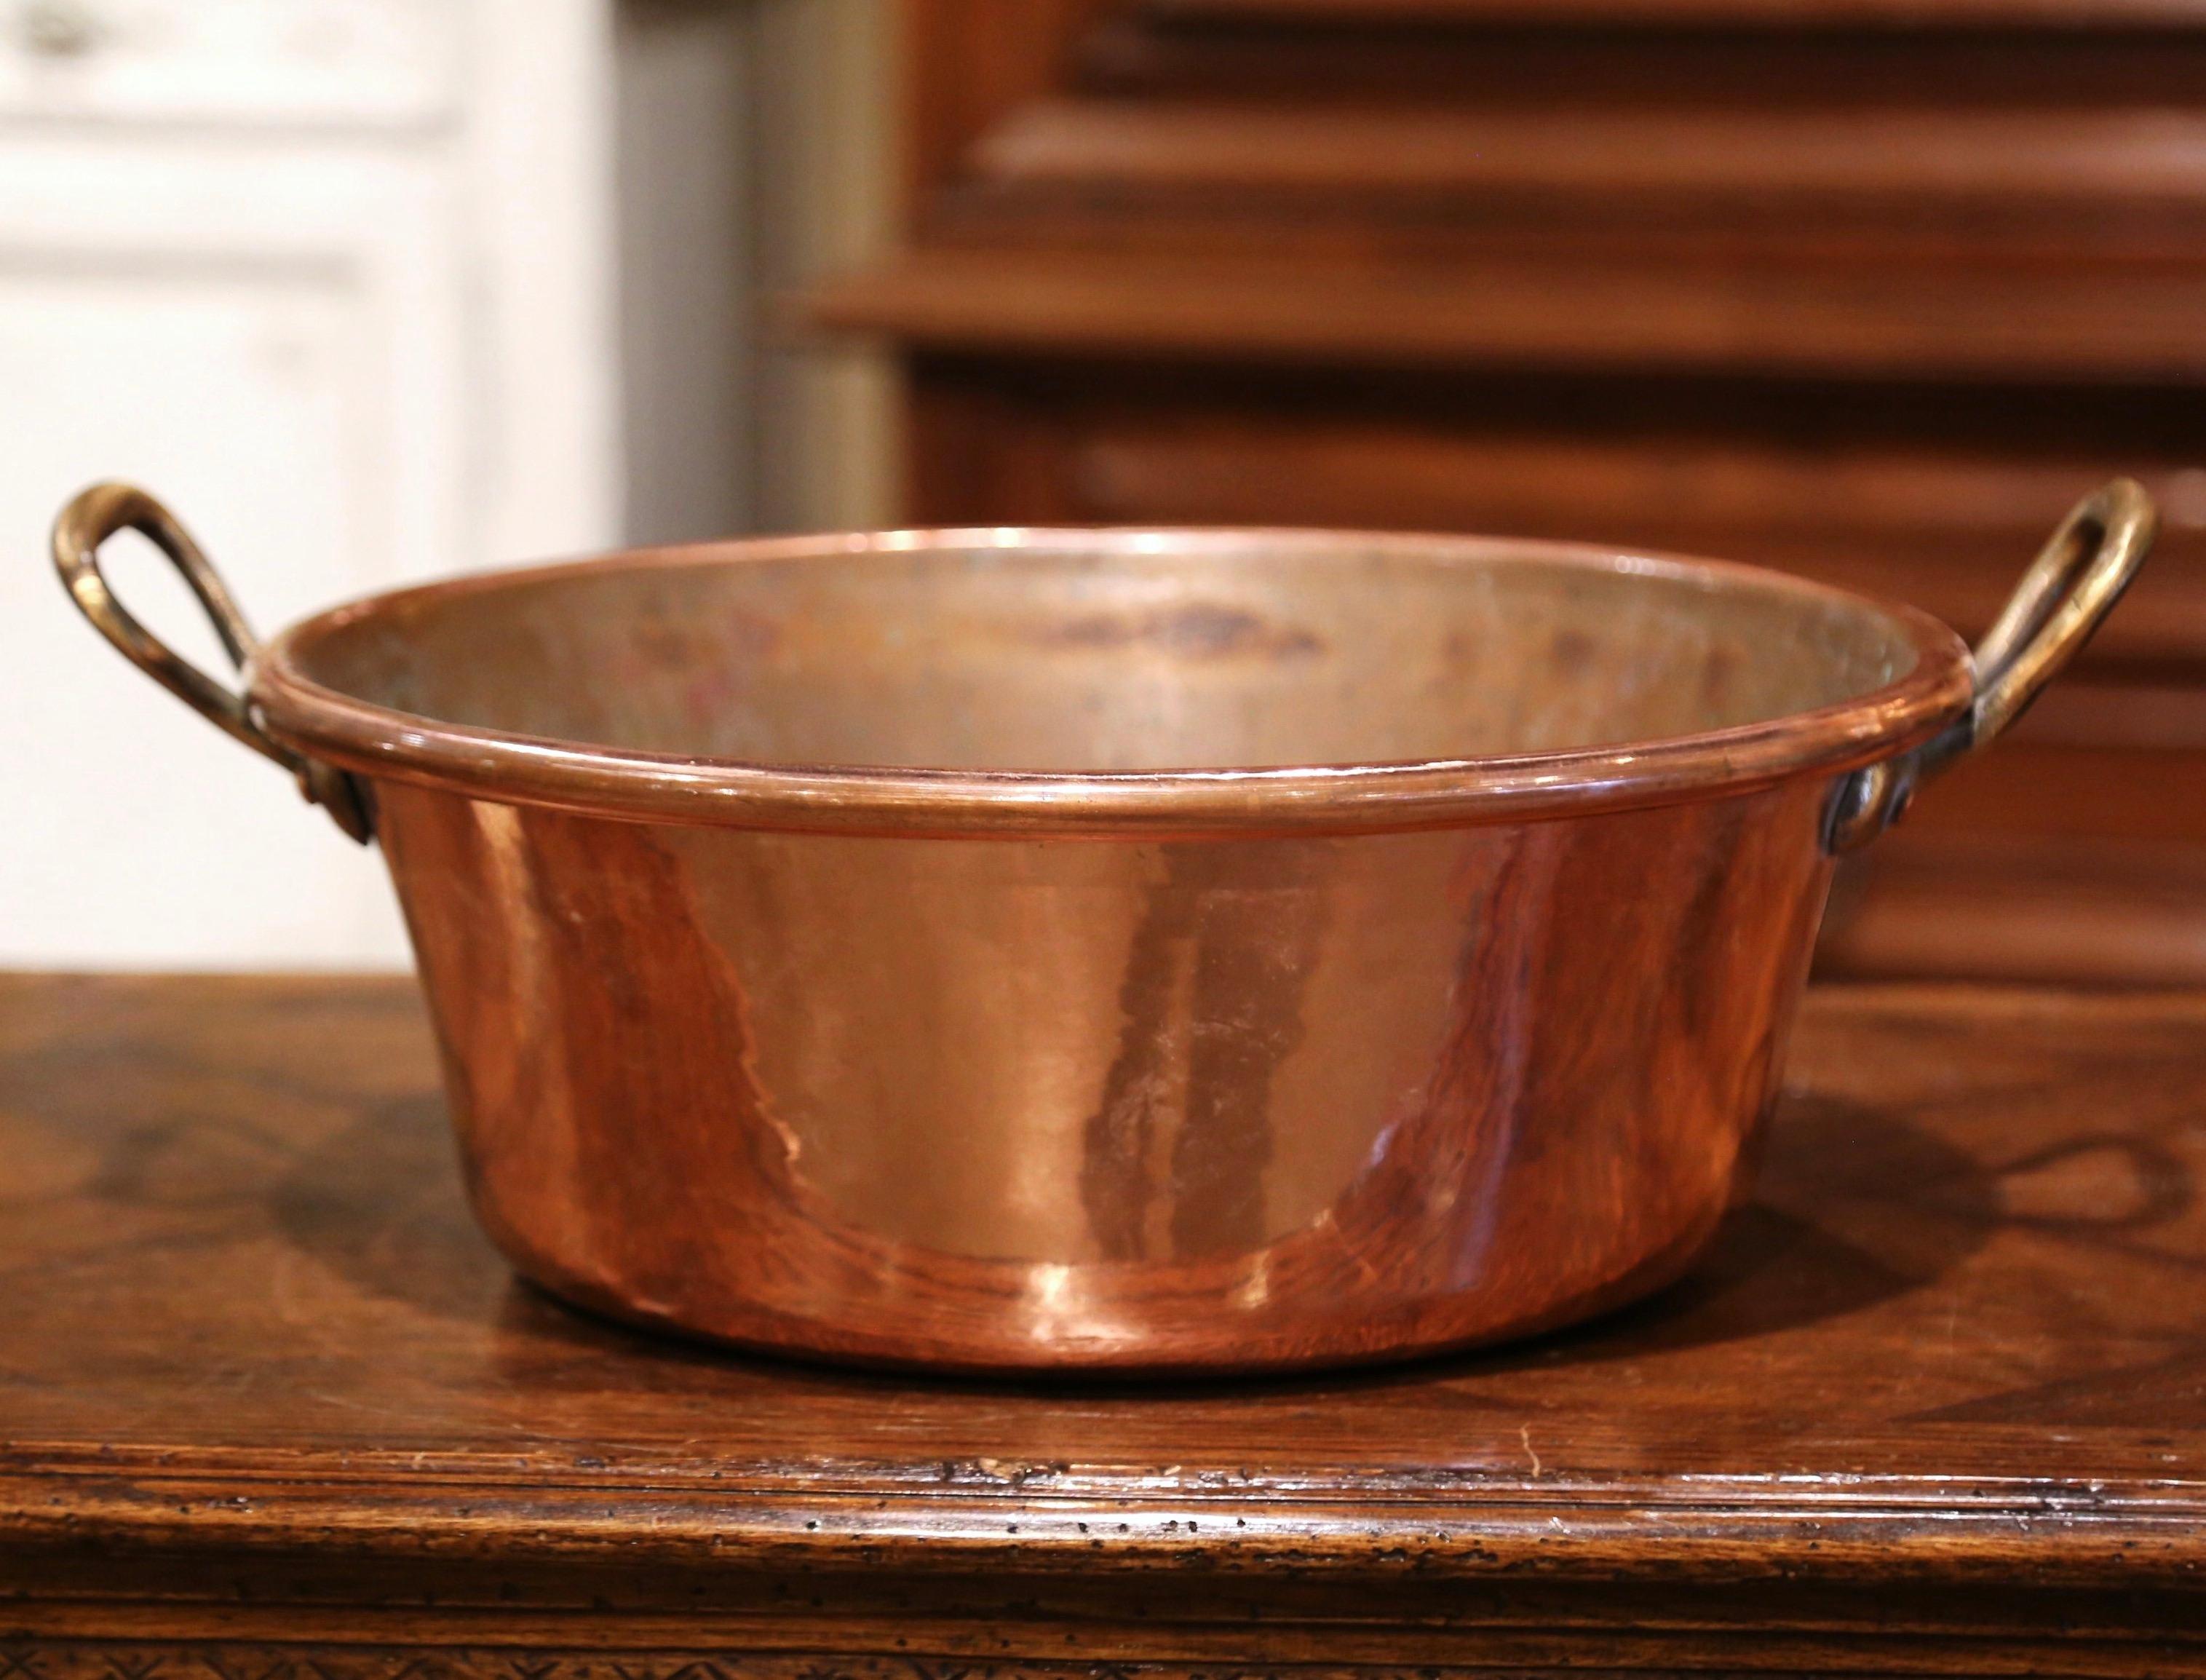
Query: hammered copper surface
x=1250, y=1102
x=1127, y=949
x=1181, y=1099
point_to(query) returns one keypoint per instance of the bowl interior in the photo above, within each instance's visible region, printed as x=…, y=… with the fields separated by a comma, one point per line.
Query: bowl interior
x=1117, y=651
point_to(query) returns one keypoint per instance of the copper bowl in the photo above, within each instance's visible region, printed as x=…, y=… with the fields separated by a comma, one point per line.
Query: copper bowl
x=1149, y=949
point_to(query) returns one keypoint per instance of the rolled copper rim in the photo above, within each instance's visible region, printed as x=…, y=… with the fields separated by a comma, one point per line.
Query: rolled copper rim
x=381, y=742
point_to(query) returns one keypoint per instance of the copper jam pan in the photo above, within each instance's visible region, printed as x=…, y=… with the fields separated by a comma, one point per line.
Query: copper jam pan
x=1143, y=950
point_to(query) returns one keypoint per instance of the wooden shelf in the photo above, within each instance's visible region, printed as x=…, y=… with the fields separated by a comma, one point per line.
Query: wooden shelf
x=2041, y=164
x=2065, y=15
x=2023, y=907
x=2142, y=324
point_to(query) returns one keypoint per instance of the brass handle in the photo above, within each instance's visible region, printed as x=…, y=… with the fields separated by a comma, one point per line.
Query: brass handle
x=96, y=515
x=2069, y=589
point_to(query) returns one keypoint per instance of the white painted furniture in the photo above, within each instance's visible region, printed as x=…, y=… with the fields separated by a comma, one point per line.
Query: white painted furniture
x=334, y=278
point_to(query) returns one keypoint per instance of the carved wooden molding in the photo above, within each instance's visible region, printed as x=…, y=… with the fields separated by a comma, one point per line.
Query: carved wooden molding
x=75, y=1659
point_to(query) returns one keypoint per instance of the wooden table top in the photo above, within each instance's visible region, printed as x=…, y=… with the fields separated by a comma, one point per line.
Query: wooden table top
x=1942, y=1386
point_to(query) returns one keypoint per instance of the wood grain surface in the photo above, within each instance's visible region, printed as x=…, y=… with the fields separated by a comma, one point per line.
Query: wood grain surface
x=270, y=1407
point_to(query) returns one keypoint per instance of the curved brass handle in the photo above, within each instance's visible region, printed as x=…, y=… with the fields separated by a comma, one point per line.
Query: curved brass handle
x=96, y=515
x=2071, y=585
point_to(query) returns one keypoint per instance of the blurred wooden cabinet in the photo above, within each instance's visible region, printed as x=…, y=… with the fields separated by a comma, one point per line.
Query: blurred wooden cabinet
x=1871, y=290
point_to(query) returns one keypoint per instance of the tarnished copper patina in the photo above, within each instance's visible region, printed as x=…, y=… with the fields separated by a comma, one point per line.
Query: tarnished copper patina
x=1147, y=949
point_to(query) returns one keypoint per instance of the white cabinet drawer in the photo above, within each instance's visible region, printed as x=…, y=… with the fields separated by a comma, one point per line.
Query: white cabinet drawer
x=340, y=63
